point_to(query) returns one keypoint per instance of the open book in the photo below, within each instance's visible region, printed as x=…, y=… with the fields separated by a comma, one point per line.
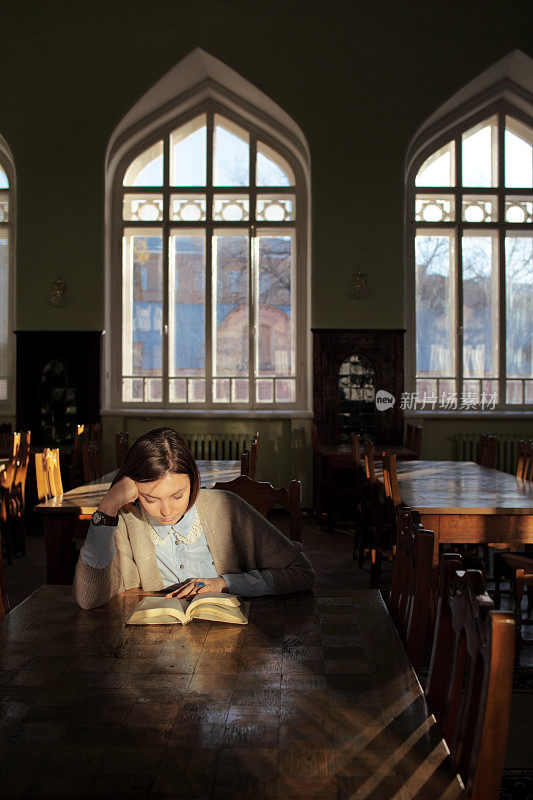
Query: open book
x=215, y=606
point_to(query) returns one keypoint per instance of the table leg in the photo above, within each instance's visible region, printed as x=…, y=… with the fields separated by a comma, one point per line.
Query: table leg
x=59, y=532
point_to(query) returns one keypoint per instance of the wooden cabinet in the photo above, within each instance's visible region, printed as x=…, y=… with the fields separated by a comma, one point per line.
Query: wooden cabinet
x=380, y=354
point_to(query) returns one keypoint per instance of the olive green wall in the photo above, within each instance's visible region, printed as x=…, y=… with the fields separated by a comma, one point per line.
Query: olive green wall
x=358, y=77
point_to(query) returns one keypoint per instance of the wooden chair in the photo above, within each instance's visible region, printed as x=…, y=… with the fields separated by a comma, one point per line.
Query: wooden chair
x=5, y=439
x=524, y=467
x=392, y=491
x=375, y=530
x=517, y=569
x=413, y=438
x=7, y=503
x=359, y=502
x=18, y=492
x=122, y=445
x=263, y=497
x=488, y=450
x=417, y=441
x=410, y=596
x=91, y=448
x=76, y=459
x=48, y=474
x=254, y=451
x=470, y=678
x=245, y=463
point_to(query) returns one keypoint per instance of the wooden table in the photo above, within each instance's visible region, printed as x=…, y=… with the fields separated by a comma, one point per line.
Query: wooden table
x=66, y=518
x=330, y=458
x=461, y=501
x=314, y=698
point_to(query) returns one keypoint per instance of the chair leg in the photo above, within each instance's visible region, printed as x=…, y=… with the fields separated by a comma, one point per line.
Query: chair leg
x=375, y=568
x=498, y=577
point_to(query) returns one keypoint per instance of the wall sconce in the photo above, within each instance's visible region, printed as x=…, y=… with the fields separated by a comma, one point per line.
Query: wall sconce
x=359, y=287
x=57, y=293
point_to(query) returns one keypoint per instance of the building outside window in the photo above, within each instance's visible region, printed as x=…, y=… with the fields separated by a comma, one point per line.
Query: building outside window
x=470, y=251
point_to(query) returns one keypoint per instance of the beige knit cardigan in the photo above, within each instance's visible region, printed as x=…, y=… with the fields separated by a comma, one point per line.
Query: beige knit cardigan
x=239, y=539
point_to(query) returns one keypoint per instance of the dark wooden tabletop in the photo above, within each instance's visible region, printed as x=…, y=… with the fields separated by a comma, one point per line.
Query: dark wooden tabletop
x=314, y=698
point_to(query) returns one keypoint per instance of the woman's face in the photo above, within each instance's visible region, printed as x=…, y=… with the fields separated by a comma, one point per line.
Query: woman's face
x=167, y=498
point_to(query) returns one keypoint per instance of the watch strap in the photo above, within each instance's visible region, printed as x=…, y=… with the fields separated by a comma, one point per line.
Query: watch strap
x=99, y=518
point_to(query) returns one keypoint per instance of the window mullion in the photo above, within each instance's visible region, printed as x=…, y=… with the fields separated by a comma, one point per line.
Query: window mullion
x=165, y=277
x=209, y=331
x=253, y=277
x=459, y=333
x=502, y=357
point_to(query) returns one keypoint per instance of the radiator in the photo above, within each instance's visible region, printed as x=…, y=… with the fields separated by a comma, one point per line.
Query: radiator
x=216, y=446
x=465, y=447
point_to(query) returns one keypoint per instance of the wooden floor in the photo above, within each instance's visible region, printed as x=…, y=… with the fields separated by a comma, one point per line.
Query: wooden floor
x=331, y=555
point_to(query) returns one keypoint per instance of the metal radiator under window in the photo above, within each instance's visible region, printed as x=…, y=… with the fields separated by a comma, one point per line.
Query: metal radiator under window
x=216, y=446
x=465, y=448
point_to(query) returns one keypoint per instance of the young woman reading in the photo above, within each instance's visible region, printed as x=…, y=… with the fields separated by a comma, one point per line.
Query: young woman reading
x=156, y=528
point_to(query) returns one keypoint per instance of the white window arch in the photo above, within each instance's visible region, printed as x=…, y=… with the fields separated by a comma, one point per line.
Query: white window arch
x=7, y=278
x=469, y=221
x=207, y=248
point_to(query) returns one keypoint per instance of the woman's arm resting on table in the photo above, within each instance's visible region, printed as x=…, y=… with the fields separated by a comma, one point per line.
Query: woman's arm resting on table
x=93, y=586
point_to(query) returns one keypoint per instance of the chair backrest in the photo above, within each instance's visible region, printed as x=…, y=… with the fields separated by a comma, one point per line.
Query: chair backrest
x=122, y=445
x=48, y=474
x=8, y=474
x=254, y=451
x=525, y=461
x=358, y=467
x=92, y=459
x=470, y=678
x=390, y=478
x=417, y=440
x=521, y=462
x=5, y=438
x=245, y=463
x=263, y=497
x=369, y=462
x=23, y=458
x=410, y=596
x=409, y=435
x=488, y=450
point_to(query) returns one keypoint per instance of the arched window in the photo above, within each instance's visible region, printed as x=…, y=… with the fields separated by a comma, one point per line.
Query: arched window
x=470, y=246
x=208, y=250
x=7, y=260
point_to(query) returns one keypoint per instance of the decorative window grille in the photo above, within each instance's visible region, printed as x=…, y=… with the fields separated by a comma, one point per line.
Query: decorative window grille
x=470, y=214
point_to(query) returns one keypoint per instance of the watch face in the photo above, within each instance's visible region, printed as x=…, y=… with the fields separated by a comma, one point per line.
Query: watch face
x=96, y=518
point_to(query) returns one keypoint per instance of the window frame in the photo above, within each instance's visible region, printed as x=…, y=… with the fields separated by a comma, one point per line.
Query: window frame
x=181, y=94
x=167, y=226
x=453, y=129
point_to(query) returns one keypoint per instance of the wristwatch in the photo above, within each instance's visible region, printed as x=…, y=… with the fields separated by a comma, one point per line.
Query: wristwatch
x=99, y=518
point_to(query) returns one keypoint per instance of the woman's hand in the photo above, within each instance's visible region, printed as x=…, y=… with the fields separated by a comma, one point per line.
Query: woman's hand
x=199, y=586
x=121, y=494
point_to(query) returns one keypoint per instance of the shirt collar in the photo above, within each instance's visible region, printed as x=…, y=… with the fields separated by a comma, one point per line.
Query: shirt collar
x=182, y=526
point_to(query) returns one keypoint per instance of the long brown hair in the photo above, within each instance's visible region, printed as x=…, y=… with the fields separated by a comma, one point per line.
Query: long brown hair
x=157, y=452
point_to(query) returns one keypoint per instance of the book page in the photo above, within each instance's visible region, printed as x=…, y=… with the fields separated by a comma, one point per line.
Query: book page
x=159, y=611
x=238, y=615
x=213, y=598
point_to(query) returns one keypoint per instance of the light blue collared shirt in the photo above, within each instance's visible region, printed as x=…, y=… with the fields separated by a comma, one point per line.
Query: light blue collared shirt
x=177, y=560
